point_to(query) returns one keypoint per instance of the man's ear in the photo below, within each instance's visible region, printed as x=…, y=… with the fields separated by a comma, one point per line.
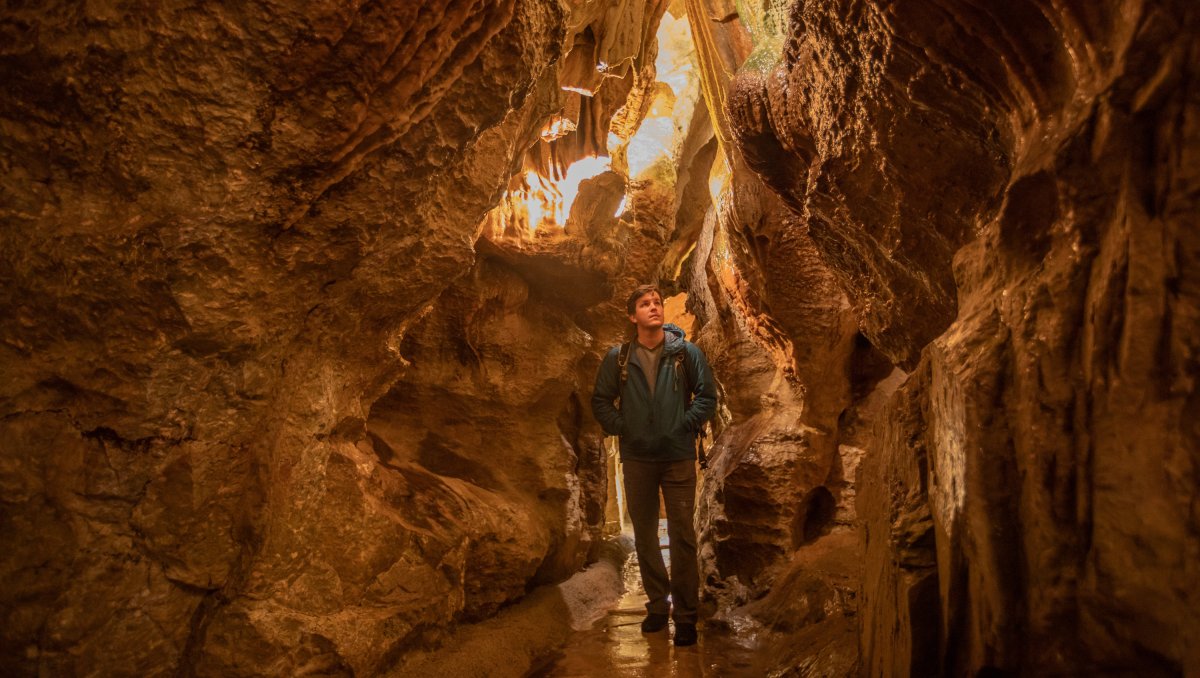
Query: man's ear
x=633, y=318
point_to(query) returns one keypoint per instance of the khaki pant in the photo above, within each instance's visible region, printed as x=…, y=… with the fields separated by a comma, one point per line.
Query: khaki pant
x=678, y=482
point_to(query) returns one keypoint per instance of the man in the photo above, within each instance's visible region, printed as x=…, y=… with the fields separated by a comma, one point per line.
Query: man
x=657, y=402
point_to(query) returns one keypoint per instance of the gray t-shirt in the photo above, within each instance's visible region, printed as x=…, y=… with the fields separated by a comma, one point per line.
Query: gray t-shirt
x=648, y=358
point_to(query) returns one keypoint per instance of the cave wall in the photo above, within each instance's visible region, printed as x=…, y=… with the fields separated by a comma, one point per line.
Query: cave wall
x=780, y=557
x=504, y=440
x=1006, y=191
x=780, y=334
x=283, y=392
x=220, y=223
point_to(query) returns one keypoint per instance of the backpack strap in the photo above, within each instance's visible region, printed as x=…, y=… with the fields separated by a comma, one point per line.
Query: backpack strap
x=623, y=361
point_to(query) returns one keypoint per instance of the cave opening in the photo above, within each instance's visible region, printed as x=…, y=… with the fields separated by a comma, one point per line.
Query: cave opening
x=624, y=120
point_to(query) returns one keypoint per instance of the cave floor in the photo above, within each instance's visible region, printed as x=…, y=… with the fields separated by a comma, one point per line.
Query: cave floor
x=615, y=646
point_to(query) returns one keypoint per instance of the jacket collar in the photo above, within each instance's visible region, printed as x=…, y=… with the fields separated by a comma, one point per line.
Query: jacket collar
x=673, y=341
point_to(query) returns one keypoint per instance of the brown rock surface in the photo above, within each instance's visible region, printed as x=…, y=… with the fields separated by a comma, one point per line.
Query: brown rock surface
x=778, y=496
x=219, y=224
x=288, y=386
x=786, y=383
x=867, y=112
x=777, y=503
x=1006, y=193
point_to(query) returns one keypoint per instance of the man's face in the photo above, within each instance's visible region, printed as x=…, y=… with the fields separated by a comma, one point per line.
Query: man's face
x=648, y=311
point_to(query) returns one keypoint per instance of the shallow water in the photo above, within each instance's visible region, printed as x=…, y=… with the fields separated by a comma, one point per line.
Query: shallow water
x=616, y=646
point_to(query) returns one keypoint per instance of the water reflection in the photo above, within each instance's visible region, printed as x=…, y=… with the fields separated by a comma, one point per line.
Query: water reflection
x=615, y=646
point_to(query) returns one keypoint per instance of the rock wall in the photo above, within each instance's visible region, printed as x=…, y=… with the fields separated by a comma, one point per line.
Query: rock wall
x=780, y=335
x=221, y=224
x=779, y=553
x=284, y=391
x=1006, y=191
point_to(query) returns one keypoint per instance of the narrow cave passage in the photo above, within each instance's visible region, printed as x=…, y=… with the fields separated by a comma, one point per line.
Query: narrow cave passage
x=303, y=308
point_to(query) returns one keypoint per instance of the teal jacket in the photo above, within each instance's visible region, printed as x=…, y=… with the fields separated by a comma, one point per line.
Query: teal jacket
x=662, y=428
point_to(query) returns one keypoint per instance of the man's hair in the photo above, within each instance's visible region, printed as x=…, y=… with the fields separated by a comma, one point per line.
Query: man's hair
x=641, y=291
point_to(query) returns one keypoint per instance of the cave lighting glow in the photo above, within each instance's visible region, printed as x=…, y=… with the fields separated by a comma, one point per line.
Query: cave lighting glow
x=718, y=178
x=651, y=142
x=550, y=201
x=674, y=62
x=535, y=200
x=622, y=206
x=656, y=137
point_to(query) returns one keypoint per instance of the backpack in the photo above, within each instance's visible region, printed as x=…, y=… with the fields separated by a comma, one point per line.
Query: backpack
x=681, y=374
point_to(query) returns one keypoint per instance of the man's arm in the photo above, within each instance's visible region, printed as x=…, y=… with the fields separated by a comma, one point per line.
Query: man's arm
x=704, y=389
x=607, y=390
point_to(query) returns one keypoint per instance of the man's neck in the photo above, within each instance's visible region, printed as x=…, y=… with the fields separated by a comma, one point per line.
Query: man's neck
x=650, y=338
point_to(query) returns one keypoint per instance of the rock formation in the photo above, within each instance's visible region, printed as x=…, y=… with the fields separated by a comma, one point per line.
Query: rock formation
x=1005, y=193
x=221, y=225
x=295, y=367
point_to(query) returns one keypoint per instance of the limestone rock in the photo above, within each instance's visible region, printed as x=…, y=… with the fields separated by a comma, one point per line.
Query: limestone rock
x=851, y=130
x=283, y=392
x=993, y=188
x=780, y=334
x=217, y=221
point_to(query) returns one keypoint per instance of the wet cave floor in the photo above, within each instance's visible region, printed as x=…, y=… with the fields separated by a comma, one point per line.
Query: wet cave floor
x=616, y=646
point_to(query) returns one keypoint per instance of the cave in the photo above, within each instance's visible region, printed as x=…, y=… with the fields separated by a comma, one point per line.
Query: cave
x=303, y=305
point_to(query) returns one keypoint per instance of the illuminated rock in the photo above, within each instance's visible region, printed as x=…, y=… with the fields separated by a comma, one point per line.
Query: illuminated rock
x=302, y=308
x=243, y=215
x=988, y=185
